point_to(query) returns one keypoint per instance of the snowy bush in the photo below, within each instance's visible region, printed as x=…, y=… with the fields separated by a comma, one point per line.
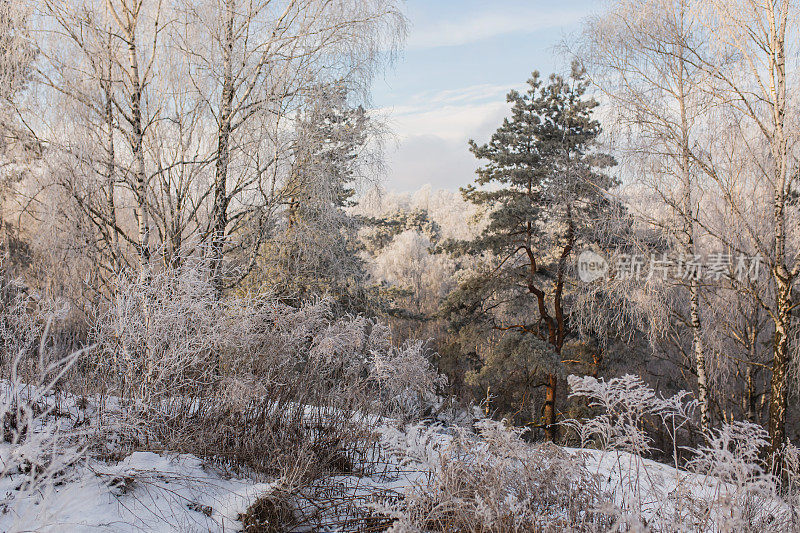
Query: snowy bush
x=741, y=495
x=722, y=487
x=626, y=404
x=26, y=330
x=493, y=481
x=19, y=328
x=230, y=378
x=39, y=441
x=406, y=378
x=157, y=337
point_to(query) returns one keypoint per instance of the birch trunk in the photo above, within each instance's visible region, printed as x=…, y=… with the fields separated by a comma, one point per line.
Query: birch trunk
x=137, y=133
x=110, y=163
x=780, y=271
x=690, y=248
x=127, y=23
x=220, y=209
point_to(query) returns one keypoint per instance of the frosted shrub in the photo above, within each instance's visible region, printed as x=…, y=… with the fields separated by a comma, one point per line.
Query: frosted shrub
x=625, y=403
x=407, y=380
x=250, y=380
x=169, y=335
x=156, y=338
x=340, y=351
x=39, y=443
x=20, y=328
x=722, y=487
x=644, y=498
x=493, y=481
x=740, y=495
x=24, y=320
x=791, y=463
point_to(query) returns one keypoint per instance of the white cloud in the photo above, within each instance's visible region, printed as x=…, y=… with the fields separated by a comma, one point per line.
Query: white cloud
x=432, y=131
x=448, y=122
x=427, y=159
x=480, y=26
x=452, y=114
x=471, y=94
x=432, y=127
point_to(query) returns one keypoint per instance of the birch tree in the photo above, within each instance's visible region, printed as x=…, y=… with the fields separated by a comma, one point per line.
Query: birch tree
x=129, y=17
x=252, y=64
x=639, y=55
x=725, y=68
x=750, y=55
x=101, y=58
x=193, y=103
x=17, y=143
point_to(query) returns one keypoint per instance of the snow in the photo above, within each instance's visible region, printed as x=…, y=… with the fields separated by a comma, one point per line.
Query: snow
x=153, y=492
x=161, y=493
x=143, y=492
x=657, y=490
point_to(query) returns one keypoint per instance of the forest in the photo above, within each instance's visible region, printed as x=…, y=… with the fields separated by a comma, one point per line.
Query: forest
x=216, y=316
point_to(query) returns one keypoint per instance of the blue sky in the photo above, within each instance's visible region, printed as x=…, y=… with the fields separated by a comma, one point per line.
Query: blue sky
x=449, y=85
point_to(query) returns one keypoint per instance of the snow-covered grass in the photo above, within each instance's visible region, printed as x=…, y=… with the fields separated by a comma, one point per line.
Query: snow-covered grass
x=191, y=413
x=721, y=485
x=185, y=405
x=63, y=475
x=419, y=478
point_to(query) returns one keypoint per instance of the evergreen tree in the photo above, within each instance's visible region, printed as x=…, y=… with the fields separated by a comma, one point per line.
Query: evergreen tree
x=313, y=251
x=542, y=184
x=384, y=229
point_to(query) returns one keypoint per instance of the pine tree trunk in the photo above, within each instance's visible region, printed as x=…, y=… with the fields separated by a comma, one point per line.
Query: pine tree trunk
x=750, y=397
x=597, y=361
x=550, y=429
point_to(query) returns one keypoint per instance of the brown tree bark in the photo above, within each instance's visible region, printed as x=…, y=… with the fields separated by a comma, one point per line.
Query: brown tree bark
x=551, y=429
x=555, y=323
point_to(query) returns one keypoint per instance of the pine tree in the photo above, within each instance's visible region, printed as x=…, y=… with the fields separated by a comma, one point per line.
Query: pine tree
x=313, y=251
x=542, y=183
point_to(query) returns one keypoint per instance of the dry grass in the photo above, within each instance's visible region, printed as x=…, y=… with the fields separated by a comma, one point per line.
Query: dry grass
x=495, y=482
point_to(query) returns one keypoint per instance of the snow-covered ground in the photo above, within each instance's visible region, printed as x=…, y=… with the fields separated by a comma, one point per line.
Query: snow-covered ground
x=180, y=493
x=143, y=492
x=153, y=492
